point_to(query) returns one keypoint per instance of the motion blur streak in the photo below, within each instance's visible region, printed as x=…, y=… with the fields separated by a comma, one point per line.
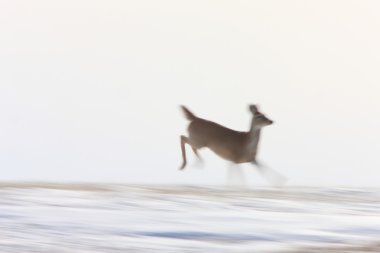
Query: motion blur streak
x=135, y=218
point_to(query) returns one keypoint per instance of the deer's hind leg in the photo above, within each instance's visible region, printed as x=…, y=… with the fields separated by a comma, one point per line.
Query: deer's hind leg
x=195, y=150
x=184, y=140
x=199, y=163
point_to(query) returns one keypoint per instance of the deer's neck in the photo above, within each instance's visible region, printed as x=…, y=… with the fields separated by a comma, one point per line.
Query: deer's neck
x=253, y=140
x=254, y=137
x=253, y=130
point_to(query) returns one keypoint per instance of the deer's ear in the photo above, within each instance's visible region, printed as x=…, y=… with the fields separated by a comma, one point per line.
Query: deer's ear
x=253, y=108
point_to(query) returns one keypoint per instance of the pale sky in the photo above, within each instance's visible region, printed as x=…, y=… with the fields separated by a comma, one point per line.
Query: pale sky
x=89, y=90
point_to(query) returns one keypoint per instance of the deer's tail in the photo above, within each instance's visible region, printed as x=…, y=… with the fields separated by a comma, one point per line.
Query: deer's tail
x=189, y=115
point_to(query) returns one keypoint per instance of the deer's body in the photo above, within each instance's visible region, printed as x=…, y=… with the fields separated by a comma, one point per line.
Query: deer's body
x=234, y=146
x=225, y=142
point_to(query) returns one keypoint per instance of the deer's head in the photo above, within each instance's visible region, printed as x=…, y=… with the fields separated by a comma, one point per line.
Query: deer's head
x=259, y=119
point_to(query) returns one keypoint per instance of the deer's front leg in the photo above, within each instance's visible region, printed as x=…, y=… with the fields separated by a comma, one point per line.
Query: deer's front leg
x=235, y=176
x=274, y=177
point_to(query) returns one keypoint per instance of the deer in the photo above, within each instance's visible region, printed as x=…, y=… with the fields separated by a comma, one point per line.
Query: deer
x=235, y=146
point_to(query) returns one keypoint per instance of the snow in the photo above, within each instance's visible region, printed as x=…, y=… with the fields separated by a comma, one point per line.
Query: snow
x=136, y=218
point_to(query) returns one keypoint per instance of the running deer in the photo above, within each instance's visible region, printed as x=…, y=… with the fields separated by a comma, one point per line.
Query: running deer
x=235, y=146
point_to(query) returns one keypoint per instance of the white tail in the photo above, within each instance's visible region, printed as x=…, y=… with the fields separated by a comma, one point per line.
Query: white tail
x=234, y=146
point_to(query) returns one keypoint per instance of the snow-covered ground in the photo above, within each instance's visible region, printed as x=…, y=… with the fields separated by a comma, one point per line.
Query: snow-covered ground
x=55, y=218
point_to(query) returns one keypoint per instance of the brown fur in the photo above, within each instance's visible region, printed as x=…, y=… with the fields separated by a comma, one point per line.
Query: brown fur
x=231, y=145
